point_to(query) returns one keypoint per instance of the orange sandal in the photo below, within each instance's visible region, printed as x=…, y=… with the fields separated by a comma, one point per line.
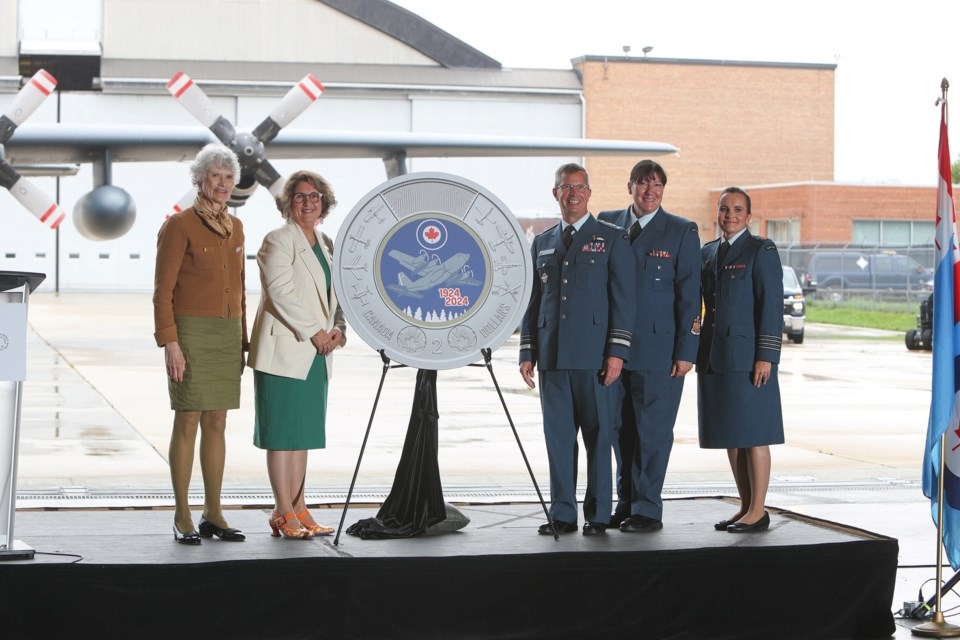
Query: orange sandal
x=307, y=522
x=279, y=526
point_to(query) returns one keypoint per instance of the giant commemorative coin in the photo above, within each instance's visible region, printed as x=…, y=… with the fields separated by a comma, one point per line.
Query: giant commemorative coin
x=431, y=268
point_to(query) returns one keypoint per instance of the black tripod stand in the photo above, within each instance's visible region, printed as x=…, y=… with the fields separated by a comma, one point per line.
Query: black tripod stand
x=416, y=468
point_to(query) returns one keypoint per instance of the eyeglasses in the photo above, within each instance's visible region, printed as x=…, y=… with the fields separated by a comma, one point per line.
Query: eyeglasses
x=579, y=188
x=314, y=196
x=655, y=185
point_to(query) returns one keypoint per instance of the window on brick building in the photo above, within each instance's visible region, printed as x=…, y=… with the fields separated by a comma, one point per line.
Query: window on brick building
x=785, y=233
x=892, y=233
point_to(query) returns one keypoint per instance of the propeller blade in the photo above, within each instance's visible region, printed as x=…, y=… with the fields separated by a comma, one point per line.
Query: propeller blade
x=301, y=96
x=185, y=201
x=26, y=102
x=38, y=203
x=194, y=100
x=269, y=177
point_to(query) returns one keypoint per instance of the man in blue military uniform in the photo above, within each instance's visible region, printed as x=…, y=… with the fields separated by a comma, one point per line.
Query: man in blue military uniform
x=577, y=330
x=664, y=346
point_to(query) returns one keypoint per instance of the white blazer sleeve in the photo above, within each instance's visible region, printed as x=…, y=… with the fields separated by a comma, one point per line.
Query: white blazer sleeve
x=285, y=285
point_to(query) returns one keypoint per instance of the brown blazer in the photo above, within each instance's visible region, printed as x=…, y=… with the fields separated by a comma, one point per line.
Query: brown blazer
x=198, y=274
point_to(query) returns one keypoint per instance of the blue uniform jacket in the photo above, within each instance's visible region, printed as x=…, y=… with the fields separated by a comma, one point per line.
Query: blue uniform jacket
x=581, y=307
x=667, y=295
x=744, y=305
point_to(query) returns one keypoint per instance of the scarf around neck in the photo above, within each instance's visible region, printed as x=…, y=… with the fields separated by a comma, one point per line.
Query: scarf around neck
x=214, y=216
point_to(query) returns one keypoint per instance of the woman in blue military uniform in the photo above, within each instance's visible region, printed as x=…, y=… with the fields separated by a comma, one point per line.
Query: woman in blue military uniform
x=737, y=389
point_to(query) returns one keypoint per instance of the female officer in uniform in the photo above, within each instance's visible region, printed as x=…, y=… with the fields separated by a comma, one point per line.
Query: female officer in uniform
x=737, y=390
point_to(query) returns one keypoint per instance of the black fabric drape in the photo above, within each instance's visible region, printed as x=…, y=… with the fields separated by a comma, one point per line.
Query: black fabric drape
x=416, y=498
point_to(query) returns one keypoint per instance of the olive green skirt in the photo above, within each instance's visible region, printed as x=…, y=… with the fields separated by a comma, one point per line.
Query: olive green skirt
x=213, y=350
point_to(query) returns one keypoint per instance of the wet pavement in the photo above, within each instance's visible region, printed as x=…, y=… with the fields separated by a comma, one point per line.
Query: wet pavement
x=96, y=421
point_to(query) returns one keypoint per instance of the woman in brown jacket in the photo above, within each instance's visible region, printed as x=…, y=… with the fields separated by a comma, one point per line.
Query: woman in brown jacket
x=199, y=308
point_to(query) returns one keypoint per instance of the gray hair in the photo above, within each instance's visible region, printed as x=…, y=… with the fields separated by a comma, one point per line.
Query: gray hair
x=570, y=167
x=213, y=155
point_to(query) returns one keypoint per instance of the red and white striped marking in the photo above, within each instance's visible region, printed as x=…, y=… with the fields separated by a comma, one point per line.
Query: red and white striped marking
x=311, y=86
x=179, y=83
x=53, y=216
x=44, y=82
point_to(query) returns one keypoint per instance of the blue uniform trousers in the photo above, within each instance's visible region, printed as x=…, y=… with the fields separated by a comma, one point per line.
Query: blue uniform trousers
x=648, y=403
x=574, y=400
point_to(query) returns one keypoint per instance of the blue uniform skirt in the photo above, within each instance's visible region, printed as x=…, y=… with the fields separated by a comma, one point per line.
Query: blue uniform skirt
x=733, y=414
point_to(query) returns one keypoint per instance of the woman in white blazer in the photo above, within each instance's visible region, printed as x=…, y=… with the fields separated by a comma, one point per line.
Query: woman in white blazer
x=297, y=327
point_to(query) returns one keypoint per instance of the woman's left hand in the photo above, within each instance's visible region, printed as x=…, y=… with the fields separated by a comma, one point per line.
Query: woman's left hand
x=761, y=373
x=338, y=338
x=323, y=342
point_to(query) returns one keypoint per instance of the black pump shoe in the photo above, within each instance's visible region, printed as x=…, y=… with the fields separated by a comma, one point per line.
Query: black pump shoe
x=208, y=530
x=723, y=524
x=760, y=525
x=190, y=537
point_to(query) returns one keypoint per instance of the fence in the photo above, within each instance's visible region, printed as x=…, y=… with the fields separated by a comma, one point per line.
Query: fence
x=887, y=277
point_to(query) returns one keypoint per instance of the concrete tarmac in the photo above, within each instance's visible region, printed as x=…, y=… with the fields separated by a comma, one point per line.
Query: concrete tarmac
x=96, y=422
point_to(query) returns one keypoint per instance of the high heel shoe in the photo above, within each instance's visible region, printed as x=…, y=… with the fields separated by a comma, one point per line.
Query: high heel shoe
x=208, y=530
x=279, y=526
x=190, y=537
x=308, y=523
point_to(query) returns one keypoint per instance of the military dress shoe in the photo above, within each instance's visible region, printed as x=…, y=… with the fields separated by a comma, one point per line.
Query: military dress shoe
x=594, y=529
x=760, y=525
x=640, y=524
x=618, y=517
x=561, y=527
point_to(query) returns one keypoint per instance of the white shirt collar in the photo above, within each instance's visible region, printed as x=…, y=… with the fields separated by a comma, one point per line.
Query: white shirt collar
x=645, y=218
x=734, y=237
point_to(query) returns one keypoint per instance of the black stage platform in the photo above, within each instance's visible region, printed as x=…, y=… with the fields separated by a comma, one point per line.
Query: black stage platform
x=804, y=578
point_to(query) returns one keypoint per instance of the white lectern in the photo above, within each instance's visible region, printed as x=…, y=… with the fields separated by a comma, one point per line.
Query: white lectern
x=15, y=290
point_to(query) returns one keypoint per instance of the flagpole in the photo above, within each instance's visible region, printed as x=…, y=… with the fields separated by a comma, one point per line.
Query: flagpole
x=938, y=627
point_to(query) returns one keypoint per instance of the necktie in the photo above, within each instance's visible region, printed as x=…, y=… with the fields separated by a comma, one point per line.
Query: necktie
x=567, y=236
x=724, y=247
x=635, y=230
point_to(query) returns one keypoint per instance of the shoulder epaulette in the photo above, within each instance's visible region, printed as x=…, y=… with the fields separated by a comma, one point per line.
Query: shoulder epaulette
x=611, y=225
x=548, y=230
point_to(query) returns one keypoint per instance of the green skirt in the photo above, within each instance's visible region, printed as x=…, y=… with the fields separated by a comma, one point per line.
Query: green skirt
x=213, y=349
x=291, y=414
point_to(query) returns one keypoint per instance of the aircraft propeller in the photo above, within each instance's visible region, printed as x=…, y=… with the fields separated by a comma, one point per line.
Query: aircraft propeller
x=24, y=104
x=249, y=146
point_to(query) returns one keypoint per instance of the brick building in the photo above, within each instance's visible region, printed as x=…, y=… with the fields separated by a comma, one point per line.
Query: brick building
x=768, y=127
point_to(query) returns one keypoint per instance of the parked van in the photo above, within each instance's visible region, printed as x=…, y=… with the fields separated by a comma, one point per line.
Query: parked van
x=833, y=270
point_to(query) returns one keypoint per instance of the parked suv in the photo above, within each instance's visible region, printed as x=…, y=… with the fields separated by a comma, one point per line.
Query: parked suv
x=794, y=306
x=835, y=270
